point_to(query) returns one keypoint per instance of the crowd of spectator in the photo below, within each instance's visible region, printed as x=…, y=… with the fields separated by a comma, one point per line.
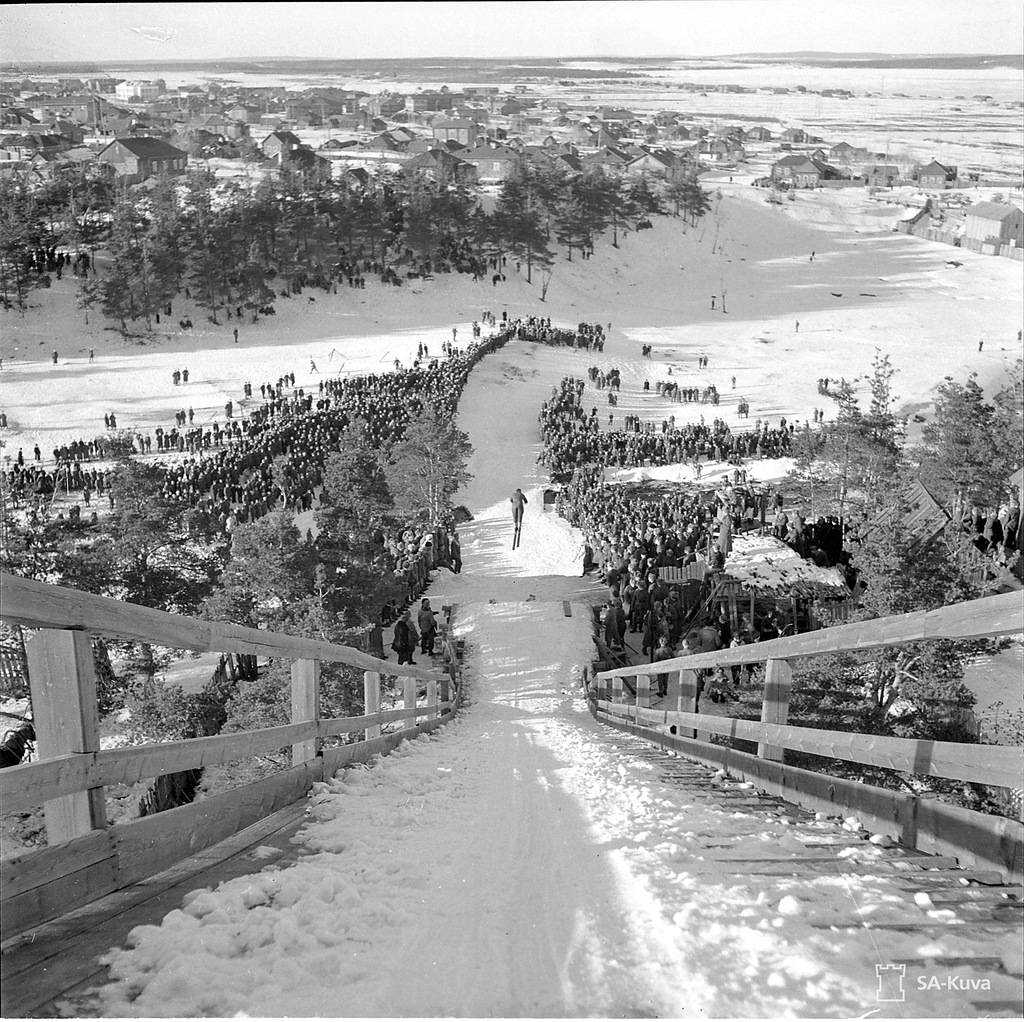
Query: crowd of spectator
x=632, y=535
x=272, y=456
x=572, y=437
x=995, y=533
x=588, y=336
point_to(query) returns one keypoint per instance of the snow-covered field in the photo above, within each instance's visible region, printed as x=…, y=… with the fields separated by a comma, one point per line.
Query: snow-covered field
x=866, y=288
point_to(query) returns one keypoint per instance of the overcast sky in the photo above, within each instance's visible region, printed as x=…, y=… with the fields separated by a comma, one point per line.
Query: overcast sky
x=170, y=31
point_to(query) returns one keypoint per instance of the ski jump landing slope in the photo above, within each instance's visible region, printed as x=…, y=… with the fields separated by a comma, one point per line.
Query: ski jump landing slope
x=526, y=861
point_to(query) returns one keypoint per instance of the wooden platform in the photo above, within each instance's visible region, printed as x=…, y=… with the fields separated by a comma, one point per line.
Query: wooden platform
x=58, y=961
x=48, y=971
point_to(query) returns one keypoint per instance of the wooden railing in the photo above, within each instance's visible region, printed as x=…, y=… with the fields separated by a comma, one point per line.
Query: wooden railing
x=85, y=857
x=919, y=822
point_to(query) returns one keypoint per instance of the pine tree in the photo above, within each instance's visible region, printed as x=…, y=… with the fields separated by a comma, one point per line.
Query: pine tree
x=965, y=457
x=22, y=232
x=519, y=214
x=853, y=455
x=427, y=466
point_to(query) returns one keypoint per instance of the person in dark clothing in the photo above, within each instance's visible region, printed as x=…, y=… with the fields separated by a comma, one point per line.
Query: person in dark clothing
x=614, y=625
x=428, y=628
x=663, y=652
x=519, y=502
x=404, y=642
x=455, y=551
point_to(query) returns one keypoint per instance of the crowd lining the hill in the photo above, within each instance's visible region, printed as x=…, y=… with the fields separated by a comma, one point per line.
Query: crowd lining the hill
x=272, y=456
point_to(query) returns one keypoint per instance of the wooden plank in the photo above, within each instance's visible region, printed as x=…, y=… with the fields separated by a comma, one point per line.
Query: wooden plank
x=371, y=702
x=409, y=701
x=643, y=690
x=62, y=679
x=151, y=844
x=778, y=684
x=830, y=864
x=332, y=727
x=29, y=784
x=306, y=707
x=61, y=894
x=985, y=764
x=977, y=839
x=21, y=873
x=128, y=765
x=687, y=698
x=566, y=608
x=50, y=939
x=996, y=842
x=974, y=619
x=39, y=605
x=56, y=957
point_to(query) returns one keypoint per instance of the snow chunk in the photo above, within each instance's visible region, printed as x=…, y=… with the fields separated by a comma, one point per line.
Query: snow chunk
x=790, y=906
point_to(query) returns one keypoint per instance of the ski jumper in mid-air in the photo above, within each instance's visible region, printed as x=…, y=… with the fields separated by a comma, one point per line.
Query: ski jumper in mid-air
x=518, y=501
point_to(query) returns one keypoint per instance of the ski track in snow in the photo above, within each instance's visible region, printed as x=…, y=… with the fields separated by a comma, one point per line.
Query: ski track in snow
x=524, y=861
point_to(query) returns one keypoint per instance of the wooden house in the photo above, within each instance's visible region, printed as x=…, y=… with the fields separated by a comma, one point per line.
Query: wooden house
x=462, y=131
x=278, y=142
x=994, y=223
x=493, y=160
x=135, y=159
x=936, y=175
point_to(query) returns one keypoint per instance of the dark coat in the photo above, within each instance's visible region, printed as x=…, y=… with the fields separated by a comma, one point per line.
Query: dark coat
x=405, y=637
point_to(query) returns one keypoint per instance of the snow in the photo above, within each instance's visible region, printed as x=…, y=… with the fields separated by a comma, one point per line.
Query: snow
x=764, y=561
x=525, y=861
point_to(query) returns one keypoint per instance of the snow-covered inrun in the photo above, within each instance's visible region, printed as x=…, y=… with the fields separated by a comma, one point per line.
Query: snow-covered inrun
x=527, y=861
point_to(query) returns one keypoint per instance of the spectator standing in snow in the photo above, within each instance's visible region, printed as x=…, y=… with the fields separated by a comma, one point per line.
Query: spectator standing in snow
x=428, y=628
x=405, y=639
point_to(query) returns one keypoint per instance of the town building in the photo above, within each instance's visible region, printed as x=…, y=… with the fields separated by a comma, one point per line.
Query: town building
x=993, y=223
x=278, y=142
x=138, y=92
x=135, y=159
x=936, y=175
x=493, y=160
x=458, y=129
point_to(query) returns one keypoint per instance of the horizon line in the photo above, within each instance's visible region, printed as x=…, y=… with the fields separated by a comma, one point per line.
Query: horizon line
x=847, y=54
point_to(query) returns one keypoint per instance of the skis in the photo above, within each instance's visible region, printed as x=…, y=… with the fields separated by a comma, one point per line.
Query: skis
x=515, y=535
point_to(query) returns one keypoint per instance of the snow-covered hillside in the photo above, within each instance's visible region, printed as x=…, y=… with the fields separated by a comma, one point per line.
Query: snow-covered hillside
x=525, y=861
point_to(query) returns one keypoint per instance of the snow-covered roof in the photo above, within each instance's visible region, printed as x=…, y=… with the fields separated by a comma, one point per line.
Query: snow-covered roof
x=992, y=210
x=769, y=567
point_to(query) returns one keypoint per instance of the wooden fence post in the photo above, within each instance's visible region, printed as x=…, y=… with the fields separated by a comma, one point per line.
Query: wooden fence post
x=687, y=702
x=305, y=706
x=62, y=680
x=432, y=698
x=778, y=682
x=643, y=690
x=616, y=694
x=371, y=700
x=409, y=701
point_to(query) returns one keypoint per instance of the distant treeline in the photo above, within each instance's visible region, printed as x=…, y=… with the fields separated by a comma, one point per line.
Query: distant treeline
x=237, y=249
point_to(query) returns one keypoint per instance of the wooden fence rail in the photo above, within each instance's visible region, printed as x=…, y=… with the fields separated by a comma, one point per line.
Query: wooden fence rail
x=976, y=619
x=85, y=858
x=676, y=723
x=38, y=605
